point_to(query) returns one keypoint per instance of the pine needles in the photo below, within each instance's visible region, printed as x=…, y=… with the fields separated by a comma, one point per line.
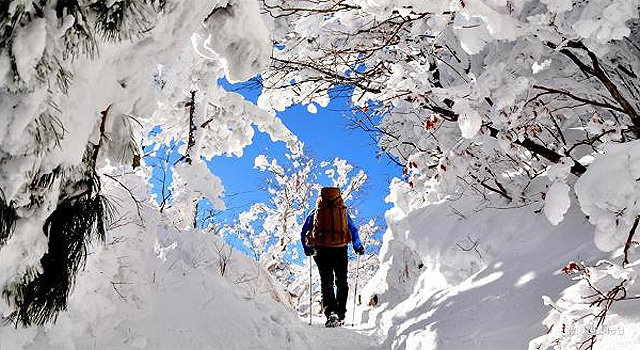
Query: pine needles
x=8, y=219
x=76, y=221
x=9, y=21
x=46, y=130
x=79, y=217
x=79, y=37
x=124, y=19
x=82, y=210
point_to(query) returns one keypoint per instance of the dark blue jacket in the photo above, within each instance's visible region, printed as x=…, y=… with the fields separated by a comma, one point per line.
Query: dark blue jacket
x=308, y=224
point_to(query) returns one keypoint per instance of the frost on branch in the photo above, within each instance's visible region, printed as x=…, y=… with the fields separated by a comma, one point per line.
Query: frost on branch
x=271, y=230
x=192, y=183
x=339, y=175
x=506, y=81
x=557, y=202
x=589, y=312
x=609, y=193
x=230, y=37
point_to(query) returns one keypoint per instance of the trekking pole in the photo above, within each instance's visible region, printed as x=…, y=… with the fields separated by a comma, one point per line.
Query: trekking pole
x=355, y=292
x=310, y=292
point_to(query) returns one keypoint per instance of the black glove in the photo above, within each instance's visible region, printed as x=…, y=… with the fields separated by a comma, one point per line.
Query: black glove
x=309, y=251
x=360, y=250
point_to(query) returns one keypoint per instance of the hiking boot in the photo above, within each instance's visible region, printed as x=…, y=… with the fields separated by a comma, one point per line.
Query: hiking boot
x=332, y=321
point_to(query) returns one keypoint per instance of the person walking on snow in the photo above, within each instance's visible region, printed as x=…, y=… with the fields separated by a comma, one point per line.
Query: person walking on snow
x=326, y=233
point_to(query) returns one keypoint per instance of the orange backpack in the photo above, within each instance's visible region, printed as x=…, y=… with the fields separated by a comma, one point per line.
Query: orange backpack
x=330, y=228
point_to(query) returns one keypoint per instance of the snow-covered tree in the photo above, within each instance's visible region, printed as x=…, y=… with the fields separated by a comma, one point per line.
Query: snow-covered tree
x=271, y=230
x=478, y=95
x=53, y=205
x=291, y=190
x=81, y=84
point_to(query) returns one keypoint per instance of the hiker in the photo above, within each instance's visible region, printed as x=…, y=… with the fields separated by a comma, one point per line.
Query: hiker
x=326, y=233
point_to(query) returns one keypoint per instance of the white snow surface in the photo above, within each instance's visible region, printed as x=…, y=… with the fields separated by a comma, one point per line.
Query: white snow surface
x=153, y=287
x=434, y=295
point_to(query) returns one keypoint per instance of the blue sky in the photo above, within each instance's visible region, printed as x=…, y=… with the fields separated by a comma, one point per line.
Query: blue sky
x=326, y=135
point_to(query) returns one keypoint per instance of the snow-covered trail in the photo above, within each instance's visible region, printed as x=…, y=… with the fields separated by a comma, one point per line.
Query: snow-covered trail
x=182, y=318
x=201, y=312
x=196, y=308
x=345, y=338
x=221, y=318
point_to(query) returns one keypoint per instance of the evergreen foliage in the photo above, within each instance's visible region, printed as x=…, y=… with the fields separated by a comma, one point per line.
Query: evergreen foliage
x=12, y=17
x=38, y=296
x=78, y=218
x=46, y=130
x=79, y=37
x=123, y=19
x=8, y=219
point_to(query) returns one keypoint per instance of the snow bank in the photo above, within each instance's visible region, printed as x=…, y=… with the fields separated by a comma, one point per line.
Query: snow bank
x=453, y=276
x=152, y=287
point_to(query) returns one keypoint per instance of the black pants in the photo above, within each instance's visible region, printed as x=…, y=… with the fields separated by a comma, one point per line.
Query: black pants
x=333, y=261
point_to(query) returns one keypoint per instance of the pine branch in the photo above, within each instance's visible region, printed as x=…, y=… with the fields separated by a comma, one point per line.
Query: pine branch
x=136, y=201
x=8, y=218
x=40, y=296
x=103, y=127
x=79, y=217
x=124, y=19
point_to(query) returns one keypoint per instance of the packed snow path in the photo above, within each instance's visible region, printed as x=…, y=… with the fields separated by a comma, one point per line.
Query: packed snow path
x=347, y=337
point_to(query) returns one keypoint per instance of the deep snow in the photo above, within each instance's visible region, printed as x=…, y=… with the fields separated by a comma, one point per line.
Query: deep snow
x=453, y=275
x=488, y=298
x=154, y=287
